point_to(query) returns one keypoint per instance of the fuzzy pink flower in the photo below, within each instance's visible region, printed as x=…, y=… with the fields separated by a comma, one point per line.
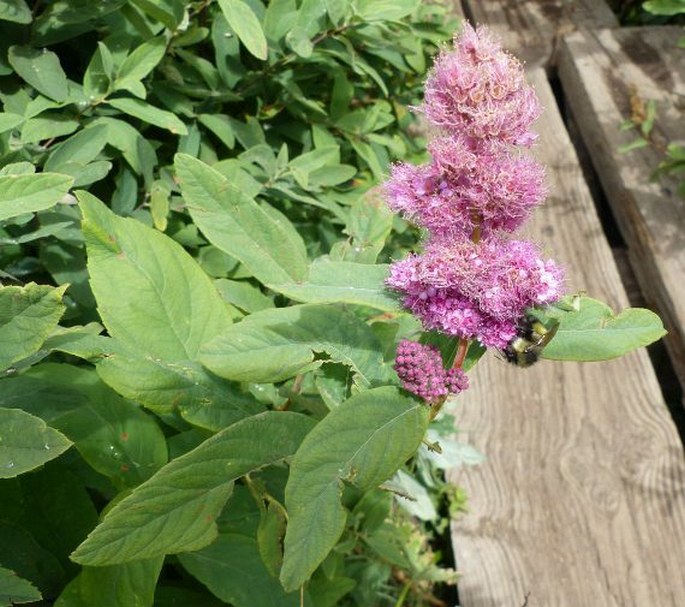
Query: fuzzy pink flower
x=421, y=371
x=476, y=290
x=467, y=185
x=479, y=90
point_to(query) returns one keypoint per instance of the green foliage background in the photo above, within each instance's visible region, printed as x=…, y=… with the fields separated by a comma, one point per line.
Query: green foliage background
x=191, y=246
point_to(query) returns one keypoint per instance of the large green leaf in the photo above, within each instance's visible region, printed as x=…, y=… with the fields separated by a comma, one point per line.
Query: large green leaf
x=264, y=240
x=273, y=345
x=15, y=590
x=343, y=282
x=30, y=193
x=27, y=316
x=26, y=442
x=113, y=435
x=184, y=386
x=140, y=63
x=590, y=331
x=152, y=296
x=176, y=509
x=362, y=442
x=41, y=69
x=233, y=570
x=125, y=585
x=246, y=26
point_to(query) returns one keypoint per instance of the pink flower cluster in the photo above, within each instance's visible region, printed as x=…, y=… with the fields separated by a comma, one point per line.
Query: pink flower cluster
x=473, y=280
x=420, y=368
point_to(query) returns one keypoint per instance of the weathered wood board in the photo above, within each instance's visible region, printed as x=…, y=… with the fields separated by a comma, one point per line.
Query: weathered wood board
x=602, y=74
x=531, y=28
x=581, y=501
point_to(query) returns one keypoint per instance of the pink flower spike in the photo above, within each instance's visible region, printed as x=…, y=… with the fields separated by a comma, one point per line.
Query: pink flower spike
x=479, y=90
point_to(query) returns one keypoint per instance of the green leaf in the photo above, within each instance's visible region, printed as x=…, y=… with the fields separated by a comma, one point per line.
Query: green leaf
x=246, y=26
x=665, y=7
x=99, y=73
x=342, y=282
x=273, y=345
x=233, y=570
x=27, y=316
x=9, y=121
x=47, y=127
x=220, y=125
x=15, y=590
x=140, y=63
x=81, y=148
x=260, y=237
x=164, y=11
x=590, y=331
x=150, y=114
x=159, y=204
x=362, y=442
x=385, y=10
x=173, y=308
x=40, y=69
x=126, y=585
x=243, y=295
x=26, y=442
x=175, y=511
x=182, y=386
x=21, y=194
x=16, y=11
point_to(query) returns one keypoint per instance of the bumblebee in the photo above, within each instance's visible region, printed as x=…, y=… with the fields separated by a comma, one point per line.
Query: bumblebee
x=531, y=338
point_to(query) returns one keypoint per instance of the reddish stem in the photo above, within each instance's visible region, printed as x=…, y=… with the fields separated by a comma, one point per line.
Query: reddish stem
x=461, y=353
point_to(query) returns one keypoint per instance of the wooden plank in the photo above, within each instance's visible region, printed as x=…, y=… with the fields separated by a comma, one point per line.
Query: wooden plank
x=531, y=28
x=601, y=72
x=457, y=9
x=581, y=500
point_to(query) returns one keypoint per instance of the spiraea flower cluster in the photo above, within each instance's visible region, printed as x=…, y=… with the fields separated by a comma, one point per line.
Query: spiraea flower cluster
x=474, y=280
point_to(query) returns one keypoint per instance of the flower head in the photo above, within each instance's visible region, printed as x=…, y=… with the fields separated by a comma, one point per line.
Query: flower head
x=476, y=290
x=479, y=90
x=467, y=186
x=421, y=371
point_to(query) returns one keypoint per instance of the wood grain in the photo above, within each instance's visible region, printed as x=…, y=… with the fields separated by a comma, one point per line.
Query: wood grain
x=600, y=72
x=581, y=501
x=531, y=28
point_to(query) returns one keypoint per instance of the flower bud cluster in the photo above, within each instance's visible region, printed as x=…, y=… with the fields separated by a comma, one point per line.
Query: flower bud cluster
x=473, y=280
x=420, y=369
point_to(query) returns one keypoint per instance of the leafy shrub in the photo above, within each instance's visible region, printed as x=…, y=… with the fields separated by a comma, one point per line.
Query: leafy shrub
x=219, y=357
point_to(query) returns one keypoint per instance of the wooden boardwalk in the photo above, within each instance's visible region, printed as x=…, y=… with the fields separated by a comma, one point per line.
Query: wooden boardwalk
x=581, y=501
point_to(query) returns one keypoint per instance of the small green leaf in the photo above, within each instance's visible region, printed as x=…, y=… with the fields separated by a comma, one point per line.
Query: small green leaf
x=140, y=62
x=16, y=11
x=385, y=10
x=159, y=204
x=362, y=442
x=81, y=148
x=24, y=193
x=263, y=239
x=27, y=316
x=15, y=590
x=40, y=69
x=342, y=282
x=665, y=7
x=220, y=125
x=26, y=442
x=273, y=345
x=98, y=77
x=9, y=121
x=246, y=26
x=47, y=127
x=590, y=331
x=176, y=510
x=150, y=114
x=133, y=585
